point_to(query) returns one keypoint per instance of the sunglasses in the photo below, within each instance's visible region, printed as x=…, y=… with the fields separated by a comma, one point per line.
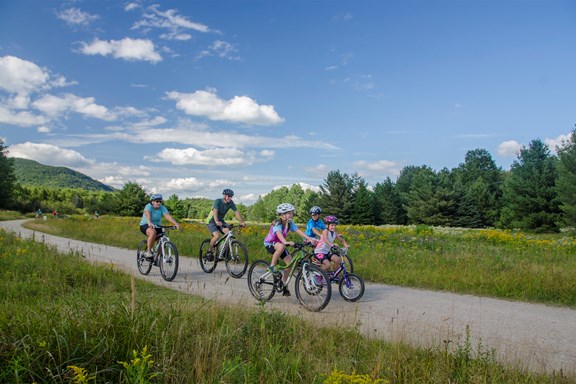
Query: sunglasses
x=157, y=201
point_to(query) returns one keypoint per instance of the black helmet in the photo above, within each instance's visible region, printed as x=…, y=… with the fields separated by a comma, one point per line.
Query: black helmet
x=228, y=192
x=315, y=210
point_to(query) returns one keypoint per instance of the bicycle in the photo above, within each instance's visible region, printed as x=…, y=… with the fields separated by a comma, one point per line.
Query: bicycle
x=227, y=248
x=312, y=285
x=345, y=258
x=164, y=255
x=350, y=285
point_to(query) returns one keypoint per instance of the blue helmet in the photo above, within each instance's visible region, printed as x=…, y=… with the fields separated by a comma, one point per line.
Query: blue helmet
x=156, y=196
x=315, y=210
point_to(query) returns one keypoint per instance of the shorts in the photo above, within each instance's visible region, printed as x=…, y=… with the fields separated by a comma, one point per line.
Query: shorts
x=212, y=227
x=159, y=231
x=323, y=256
x=270, y=249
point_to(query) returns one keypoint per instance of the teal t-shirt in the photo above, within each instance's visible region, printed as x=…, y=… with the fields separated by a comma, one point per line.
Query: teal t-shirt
x=155, y=214
x=222, y=208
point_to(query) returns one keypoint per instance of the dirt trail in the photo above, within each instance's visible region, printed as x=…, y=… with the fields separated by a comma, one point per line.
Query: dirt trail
x=535, y=337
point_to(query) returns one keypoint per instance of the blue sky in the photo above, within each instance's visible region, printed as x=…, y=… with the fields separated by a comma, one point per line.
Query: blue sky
x=190, y=97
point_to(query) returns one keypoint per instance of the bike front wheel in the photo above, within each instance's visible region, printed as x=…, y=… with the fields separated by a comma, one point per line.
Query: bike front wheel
x=144, y=264
x=208, y=261
x=351, y=287
x=313, y=288
x=237, y=259
x=261, y=281
x=168, y=261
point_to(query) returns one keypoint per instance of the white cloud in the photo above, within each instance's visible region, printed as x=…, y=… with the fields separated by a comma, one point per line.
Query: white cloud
x=127, y=49
x=22, y=119
x=556, y=142
x=385, y=166
x=184, y=184
x=212, y=157
x=240, y=109
x=74, y=16
x=49, y=155
x=220, y=49
x=509, y=148
x=21, y=76
x=54, y=106
x=169, y=19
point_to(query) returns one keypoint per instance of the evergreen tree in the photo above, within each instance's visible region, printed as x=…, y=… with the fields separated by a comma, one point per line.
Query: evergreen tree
x=8, y=179
x=566, y=181
x=363, y=209
x=529, y=192
x=337, y=195
x=130, y=200
x=387, y=203
x=404, y=185
x=478, y=187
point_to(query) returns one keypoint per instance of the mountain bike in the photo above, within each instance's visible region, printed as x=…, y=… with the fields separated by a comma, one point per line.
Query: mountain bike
x=312, y=285
x=164, y=255
x=351, y=286
x=227, y=248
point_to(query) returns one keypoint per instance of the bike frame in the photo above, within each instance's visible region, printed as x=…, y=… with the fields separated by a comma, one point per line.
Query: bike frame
x=298, y=257
x=225, y=242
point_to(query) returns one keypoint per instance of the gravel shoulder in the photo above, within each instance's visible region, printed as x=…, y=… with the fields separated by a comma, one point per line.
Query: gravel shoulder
x=535, y=337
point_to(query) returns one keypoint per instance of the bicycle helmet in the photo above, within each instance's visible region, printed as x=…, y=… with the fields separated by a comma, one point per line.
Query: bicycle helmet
x=331, y=220
x=284, y=207
x=228, y=192
x=156, y=196
x=315, y=210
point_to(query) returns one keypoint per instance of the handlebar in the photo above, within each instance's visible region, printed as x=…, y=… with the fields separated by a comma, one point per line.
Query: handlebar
x=173, y=227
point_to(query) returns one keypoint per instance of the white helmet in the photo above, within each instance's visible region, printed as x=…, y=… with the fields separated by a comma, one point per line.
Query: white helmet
x=284, y=207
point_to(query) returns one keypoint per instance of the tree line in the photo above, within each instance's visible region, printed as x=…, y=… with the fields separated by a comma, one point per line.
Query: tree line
x=538, y=193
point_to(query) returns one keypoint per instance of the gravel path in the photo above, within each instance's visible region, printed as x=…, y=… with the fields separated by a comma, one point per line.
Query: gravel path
x=535, y=337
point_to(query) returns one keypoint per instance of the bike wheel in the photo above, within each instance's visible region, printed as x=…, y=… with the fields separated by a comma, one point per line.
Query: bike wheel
x=313, y=288
x=261, y=281
x=144, y=265
x=351, y=287
x=348, y=263
x=237, y=260
x=208, y=263
x=168, y=261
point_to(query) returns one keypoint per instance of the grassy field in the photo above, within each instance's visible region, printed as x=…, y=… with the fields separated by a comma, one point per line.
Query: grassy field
x=66, y=321
x=494, y=263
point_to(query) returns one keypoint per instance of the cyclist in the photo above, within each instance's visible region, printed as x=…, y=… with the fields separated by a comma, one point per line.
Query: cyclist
x=275, y=242
x=215, y=222
x=315, y=225
x=152, y=216
x=329, y=236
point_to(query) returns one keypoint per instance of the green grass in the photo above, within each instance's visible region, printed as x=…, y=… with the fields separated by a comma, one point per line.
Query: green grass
x=63, y=320
x=500, y=264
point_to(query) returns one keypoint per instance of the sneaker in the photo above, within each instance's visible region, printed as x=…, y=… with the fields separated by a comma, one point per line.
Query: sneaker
x=209, y=256
x=286, y=292
x=273, y=270
x=318, y=280
x=147, y=255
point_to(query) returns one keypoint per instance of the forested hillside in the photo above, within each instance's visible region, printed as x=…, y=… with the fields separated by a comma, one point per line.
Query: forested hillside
x=32, y=173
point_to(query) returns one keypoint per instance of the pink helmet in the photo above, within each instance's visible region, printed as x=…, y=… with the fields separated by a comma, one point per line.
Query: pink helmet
x=331, y=220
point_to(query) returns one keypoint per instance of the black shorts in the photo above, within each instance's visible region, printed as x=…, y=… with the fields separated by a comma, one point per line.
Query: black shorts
x=270, y=249
x=159, y=231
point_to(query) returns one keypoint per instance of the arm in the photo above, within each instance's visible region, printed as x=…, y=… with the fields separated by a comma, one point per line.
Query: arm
x=171, y=219
x=148, y=217
x=215, y=215
x=282, y=239
x=240, y=219
x=304, y=235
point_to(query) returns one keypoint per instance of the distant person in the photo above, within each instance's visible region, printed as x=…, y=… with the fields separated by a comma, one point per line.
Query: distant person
x=215, y=221
x=315, y=225
x=38, y=213
x=55, y=213
x=96, y=214
x=275, y=242
x=152, y=217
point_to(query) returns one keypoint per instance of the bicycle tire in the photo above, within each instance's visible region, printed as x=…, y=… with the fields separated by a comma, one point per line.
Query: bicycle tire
x=144, y=265
x=348, y=263
x=237, y=260
x=261, y=281
x=351, y=287
x=207, y=264
x=313, y=288
x=168, y=261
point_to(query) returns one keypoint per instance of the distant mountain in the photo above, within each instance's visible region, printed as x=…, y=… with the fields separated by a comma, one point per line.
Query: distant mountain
x=30, y=172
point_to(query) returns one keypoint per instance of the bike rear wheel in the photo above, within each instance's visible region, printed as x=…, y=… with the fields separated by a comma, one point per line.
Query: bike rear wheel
x=351, y=287
x=237, y=260
x=207, y=262
x=168, y=261
x=313, y=288
x=144, y=265
x=261, y=281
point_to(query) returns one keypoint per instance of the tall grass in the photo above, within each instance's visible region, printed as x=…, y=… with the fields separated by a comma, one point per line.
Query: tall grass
x=66, y=321
x=495, y=263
